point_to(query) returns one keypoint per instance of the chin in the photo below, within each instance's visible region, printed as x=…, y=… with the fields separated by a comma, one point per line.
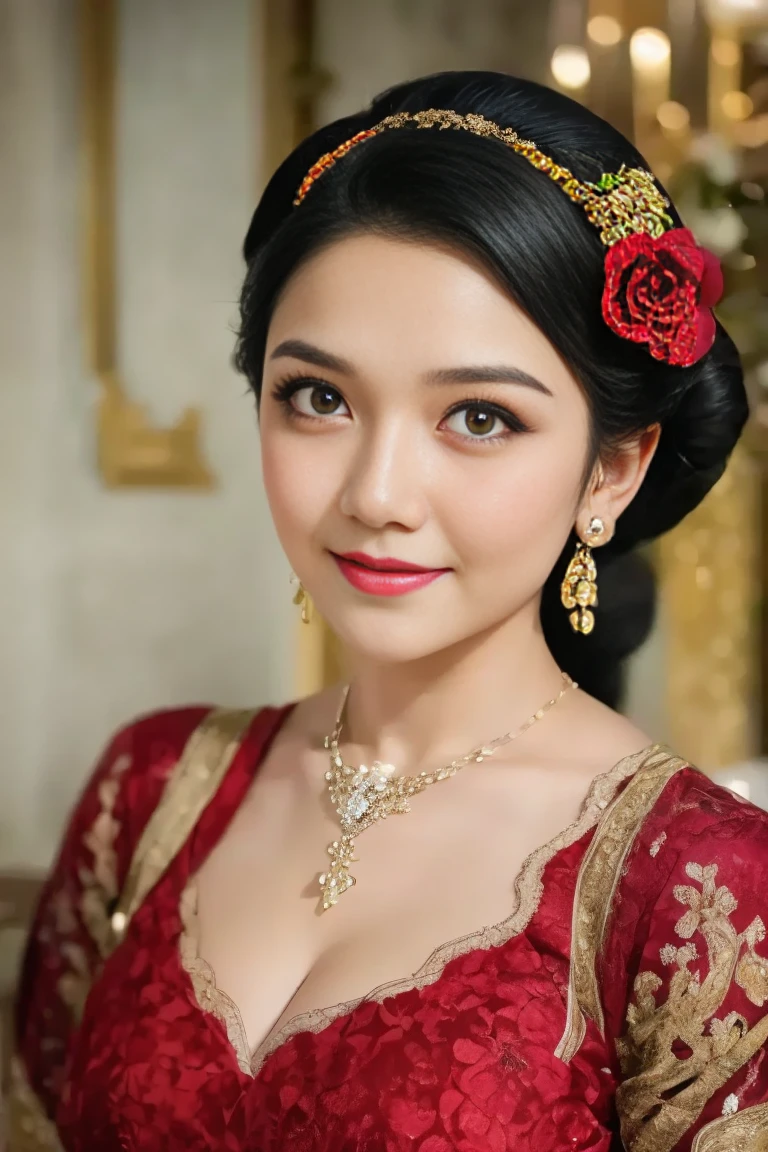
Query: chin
x=392, y=638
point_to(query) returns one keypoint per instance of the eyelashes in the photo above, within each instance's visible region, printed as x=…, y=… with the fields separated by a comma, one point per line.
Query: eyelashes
x=486, y=408
x=324, y=401
x=287, y=388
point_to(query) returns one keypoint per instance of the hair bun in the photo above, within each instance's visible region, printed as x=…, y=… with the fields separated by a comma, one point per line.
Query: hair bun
x=696, y=441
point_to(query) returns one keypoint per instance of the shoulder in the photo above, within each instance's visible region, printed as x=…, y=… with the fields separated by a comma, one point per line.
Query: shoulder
x=684, y=841
x=672, y=818
x=146, y=751
x=693, y=813
x=140, y=759
x=669, y=825
x=151, y=744
x=135, y=761
x=700, y=842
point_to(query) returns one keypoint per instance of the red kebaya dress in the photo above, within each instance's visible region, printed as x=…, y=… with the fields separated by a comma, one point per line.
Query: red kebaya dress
x=622, y=1004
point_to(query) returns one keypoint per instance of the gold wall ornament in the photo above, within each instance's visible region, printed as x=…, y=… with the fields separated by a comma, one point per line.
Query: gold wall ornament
x=709, y=566
x=131, y=452
x=710, y=588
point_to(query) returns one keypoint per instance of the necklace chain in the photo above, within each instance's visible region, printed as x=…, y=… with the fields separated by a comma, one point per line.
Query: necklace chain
x=363, y=796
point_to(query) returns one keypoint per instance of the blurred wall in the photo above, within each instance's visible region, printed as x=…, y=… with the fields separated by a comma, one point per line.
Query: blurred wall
x=369, y=45
x=119, y=602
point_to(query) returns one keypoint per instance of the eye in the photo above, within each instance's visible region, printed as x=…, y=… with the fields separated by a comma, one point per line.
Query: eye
x=318, y=400
x=478, y=422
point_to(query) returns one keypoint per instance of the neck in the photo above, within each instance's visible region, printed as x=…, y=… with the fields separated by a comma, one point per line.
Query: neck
x=425, y=712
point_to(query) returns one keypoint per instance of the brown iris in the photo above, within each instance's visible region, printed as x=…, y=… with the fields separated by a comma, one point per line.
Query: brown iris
x=324, y=401
x=479, y=422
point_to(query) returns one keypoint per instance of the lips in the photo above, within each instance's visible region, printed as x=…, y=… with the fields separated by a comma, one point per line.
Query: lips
x=385, y=576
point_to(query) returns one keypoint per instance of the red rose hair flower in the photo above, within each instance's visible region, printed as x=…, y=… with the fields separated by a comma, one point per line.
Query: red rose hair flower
x=660, y=291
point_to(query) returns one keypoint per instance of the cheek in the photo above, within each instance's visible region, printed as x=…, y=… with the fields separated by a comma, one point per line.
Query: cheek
x=520, y=508
x=299, y=487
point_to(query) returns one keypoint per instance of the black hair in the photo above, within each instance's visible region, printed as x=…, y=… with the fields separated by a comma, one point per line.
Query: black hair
x=480, y=197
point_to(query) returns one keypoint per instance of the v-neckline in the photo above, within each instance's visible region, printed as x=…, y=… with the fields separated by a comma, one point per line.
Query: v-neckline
x=528, y=888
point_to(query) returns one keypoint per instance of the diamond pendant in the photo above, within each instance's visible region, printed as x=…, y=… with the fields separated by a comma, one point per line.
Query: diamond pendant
x=362, y=797
x=367, y=793
x=337, y=879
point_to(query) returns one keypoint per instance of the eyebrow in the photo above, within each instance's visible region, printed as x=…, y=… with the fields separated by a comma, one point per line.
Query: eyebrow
x=310, y=354
x=469, y=374
x=487, y=374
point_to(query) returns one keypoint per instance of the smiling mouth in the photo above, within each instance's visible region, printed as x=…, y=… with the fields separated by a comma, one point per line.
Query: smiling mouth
x=386, y=576
x=385, y=564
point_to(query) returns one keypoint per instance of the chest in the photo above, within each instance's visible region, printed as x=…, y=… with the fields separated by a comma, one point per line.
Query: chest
x=464, y=860
x=462, y=1057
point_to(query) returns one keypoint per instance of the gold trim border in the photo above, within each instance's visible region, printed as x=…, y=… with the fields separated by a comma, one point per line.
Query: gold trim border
x=195, y=778
x=130, y=451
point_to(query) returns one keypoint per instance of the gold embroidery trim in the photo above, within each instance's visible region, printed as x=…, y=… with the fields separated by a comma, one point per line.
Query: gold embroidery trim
x=29, y=1127
x=746, y=1131
x=208, y=996
x=598, y=878
x=85, y=899
x=192, y=783
x=98, y=884
x=666, y=1092
x=528, y=891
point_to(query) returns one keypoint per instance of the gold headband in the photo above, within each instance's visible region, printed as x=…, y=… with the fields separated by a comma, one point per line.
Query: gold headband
x=660, y=285
x=620, y=204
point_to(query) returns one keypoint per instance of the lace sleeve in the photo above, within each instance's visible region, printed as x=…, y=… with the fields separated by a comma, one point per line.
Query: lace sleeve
x=69, y=937
x=693, y=1050
x=72, y=932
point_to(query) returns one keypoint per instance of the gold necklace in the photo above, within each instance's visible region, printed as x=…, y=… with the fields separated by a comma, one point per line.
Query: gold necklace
x=362, y=796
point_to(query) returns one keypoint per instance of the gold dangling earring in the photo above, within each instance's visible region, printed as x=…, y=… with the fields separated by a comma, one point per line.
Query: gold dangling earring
x=579, y=588
x=302, y=598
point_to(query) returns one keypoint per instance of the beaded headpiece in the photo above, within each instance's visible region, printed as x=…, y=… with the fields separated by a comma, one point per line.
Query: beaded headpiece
x=660, y=286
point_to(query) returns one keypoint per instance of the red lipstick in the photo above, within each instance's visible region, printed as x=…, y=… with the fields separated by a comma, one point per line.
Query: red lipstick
x=384, y=576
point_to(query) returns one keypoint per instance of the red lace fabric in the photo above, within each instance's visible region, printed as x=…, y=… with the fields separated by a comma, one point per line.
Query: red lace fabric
x=127, y=1052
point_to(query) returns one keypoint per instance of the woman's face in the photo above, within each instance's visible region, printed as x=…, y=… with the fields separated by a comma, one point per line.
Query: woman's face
x=412, y=414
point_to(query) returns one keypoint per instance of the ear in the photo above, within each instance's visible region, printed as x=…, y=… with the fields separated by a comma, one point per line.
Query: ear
x=616, y=481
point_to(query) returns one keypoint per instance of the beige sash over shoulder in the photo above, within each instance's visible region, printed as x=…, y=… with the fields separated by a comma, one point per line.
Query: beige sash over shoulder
x=197, y=775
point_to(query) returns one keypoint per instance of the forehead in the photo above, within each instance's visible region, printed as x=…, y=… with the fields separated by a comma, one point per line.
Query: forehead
x=414, y=304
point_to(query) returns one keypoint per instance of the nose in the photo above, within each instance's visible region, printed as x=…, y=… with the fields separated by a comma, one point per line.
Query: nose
x=385, y=483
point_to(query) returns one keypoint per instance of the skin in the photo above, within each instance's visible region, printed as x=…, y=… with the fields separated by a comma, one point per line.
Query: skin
x=372, y=454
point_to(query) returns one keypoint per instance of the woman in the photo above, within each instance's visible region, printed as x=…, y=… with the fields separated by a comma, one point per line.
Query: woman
x=486, y=366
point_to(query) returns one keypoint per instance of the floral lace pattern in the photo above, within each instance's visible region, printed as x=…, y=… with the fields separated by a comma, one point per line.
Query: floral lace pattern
x=678, y=1050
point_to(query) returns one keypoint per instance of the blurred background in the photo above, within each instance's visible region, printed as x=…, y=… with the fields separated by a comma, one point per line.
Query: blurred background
x=139, y=566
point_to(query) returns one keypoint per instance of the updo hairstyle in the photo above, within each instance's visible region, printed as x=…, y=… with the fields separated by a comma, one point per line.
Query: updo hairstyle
x=480, y=198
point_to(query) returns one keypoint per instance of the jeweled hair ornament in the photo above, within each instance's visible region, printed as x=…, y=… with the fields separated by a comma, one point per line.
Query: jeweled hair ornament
x=660, y=285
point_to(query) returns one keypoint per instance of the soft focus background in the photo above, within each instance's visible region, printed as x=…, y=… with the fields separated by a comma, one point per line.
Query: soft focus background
x=139, y=566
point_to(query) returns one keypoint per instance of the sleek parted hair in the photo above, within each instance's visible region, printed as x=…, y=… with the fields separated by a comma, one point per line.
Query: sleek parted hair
x=480, y=197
